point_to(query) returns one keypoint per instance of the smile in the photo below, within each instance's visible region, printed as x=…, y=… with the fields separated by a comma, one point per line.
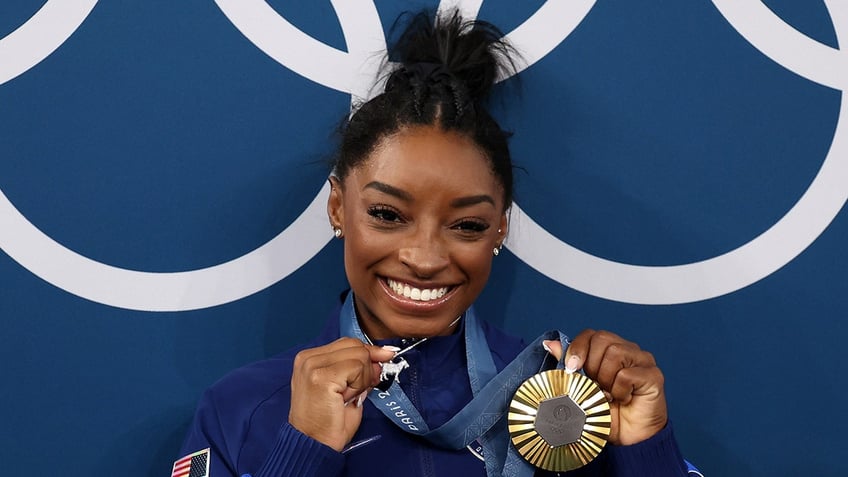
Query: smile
x=417, y=294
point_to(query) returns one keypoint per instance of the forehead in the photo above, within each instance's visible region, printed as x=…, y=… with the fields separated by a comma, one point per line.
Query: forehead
x=432, y=161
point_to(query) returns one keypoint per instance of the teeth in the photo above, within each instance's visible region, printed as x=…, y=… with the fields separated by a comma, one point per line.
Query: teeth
x=427, y=294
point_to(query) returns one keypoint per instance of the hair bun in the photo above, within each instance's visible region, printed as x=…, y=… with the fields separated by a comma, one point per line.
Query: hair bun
x=451, y=50
x=441, y=71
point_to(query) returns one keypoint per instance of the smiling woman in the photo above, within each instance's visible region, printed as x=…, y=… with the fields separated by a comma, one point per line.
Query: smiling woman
x=418, y=241
x=419, y=194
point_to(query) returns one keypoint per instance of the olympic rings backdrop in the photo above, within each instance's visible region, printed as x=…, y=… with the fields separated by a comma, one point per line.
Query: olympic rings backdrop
x=682, y=171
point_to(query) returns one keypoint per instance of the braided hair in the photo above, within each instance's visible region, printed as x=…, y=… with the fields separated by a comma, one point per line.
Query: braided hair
x=447, y=67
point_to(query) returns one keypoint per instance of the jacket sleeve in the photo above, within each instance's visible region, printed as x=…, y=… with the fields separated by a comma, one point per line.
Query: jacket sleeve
x=297, y=455
x=292, y=455
x=658, y=456
x=205, y=433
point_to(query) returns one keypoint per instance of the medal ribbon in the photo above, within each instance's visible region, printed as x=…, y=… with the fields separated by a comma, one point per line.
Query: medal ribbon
x=485, y=416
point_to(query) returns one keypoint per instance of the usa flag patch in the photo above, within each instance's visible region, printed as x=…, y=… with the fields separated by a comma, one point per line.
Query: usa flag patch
x=192, y=465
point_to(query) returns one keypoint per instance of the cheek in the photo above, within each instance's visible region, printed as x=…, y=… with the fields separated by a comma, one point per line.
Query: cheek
x=476, y=261
x=364, y=247
x=357, y=262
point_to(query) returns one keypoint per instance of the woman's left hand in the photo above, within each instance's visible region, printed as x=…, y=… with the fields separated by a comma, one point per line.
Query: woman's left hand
x=629, y=377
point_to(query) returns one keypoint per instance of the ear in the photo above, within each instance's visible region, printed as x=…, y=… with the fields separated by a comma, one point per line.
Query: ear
x=335, y=204
x=503, y=227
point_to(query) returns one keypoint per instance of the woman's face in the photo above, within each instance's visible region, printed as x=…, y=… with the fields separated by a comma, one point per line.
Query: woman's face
x=420, y=218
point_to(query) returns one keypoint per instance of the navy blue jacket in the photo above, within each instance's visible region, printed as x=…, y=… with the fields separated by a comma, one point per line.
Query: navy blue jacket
x=243, y=419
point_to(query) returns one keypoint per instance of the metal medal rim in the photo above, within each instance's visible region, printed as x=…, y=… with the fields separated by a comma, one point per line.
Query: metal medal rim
x=553, y=384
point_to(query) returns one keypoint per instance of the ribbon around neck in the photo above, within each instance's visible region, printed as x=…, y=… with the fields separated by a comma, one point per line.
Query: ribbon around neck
x=483, y=418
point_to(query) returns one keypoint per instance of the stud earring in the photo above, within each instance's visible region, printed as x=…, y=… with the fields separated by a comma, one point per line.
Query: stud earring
x=337, y=232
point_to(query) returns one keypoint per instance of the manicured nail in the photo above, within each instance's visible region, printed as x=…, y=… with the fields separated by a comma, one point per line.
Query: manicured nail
x=393, y=349
x=572, y=365
x=361, y=398
x=545, y=346
x=350, y=401
x=608, y=396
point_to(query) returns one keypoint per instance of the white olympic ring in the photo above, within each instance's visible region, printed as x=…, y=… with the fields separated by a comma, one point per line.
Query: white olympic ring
x=763, y=255
x=41, y=35
x=353, y=72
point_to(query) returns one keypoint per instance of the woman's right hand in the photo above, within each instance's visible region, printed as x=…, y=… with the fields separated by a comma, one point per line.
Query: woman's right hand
x=329, y=384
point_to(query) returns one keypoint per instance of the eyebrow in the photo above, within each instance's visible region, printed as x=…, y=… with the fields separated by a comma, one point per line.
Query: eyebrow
x=472, y=200
x=406, y=197
x=390, y=190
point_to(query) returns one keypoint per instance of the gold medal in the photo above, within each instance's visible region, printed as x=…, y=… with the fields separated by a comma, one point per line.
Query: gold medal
x=559, y=421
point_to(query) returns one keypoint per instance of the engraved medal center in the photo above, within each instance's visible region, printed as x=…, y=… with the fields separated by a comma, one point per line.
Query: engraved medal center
x=560, y=421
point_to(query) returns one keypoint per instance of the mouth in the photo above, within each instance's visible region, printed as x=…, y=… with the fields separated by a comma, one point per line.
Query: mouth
x=411, y=292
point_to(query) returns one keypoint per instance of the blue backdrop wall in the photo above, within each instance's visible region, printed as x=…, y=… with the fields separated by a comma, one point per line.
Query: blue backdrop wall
x=162, y=188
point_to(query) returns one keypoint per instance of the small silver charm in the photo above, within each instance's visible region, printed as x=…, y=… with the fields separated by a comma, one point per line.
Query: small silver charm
x=391, y=371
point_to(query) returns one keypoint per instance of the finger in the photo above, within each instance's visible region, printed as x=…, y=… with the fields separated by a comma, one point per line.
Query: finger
x=599, y=343
x=554, y=347
x=619, y=356
x=347, y=371
x=381, y=354
x=314, y=360
x=637, y=382
x=358, y=399
x=340, y=348
x=368, y=356
x=339, y=344
x=346, y=377
x=577, y=350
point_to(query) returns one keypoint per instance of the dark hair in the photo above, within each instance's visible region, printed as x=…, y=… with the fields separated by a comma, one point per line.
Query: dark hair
x=447, y=69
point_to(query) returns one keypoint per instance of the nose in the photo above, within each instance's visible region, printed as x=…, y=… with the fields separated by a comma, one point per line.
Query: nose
x=425, y=255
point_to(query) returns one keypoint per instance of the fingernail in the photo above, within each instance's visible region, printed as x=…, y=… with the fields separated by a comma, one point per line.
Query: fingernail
x=608, y=396
x=545, y=346
x=361, y=399
x=391, y=348
x=350, y=400
x=572, y=365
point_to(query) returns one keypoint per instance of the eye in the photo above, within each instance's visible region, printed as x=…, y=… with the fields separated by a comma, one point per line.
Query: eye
x=471, y=226
x=384, y=213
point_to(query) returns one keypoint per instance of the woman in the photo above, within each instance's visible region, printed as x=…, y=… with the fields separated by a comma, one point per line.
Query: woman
x=420, y=194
